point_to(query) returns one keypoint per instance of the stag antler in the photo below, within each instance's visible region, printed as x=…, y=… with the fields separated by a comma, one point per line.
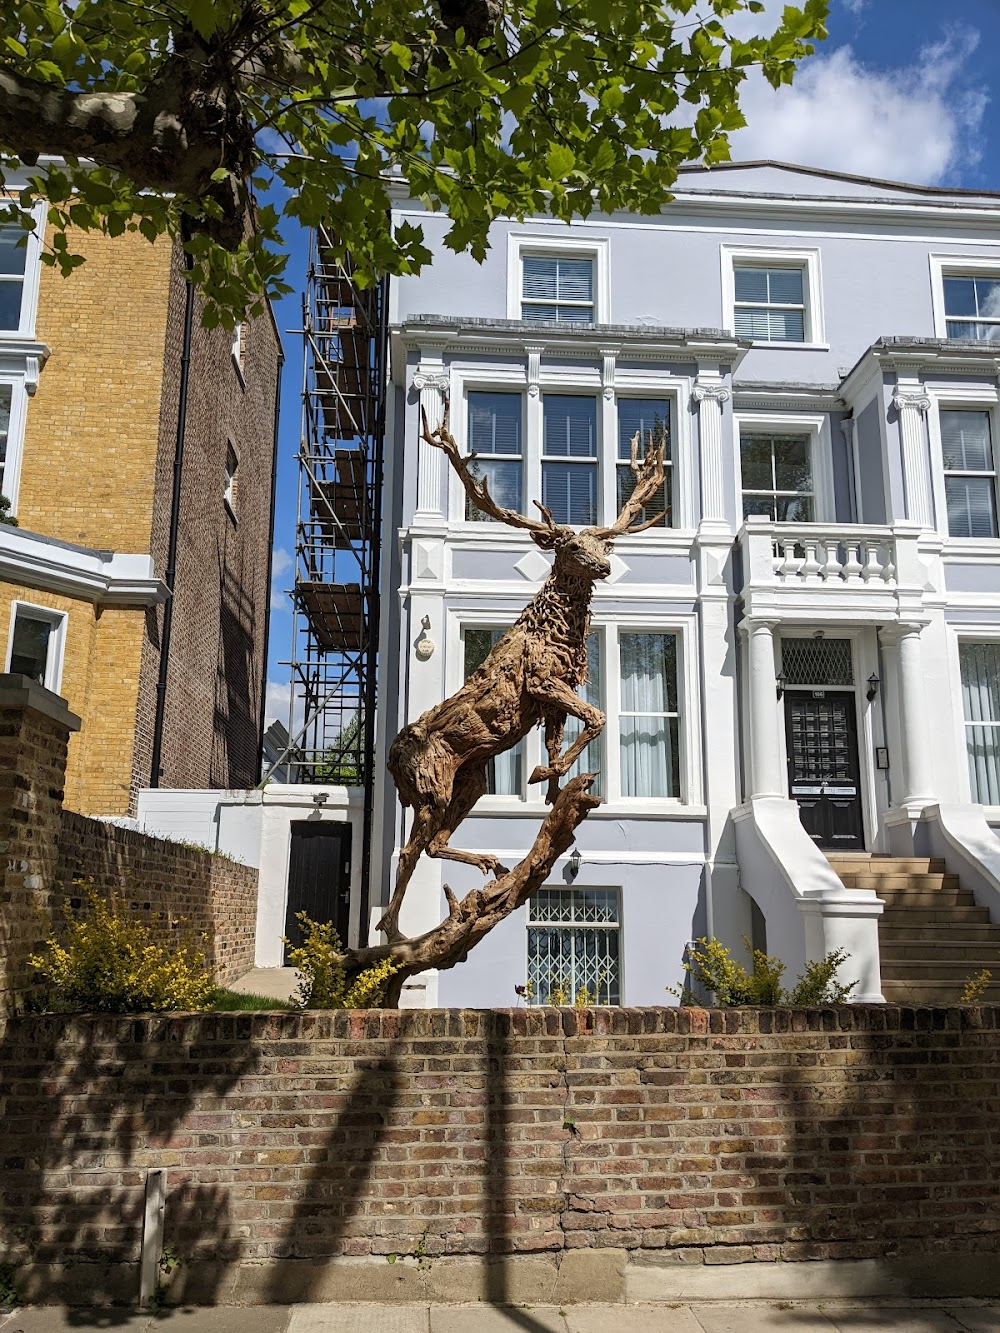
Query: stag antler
x=650, y=478
x=476, y=488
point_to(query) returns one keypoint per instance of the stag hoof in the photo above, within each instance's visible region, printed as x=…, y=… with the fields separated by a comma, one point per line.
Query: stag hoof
x=490, y=865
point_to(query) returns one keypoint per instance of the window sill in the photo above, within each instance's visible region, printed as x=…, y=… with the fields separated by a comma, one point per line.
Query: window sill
x=792, y=346
x=655, y=808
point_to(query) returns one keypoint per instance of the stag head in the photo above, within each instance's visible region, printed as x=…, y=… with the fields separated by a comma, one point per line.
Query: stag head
x=584, y=550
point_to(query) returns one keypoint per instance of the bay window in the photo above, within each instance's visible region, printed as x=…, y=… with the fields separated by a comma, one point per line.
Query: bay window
x=980, y=669
x=969, y=473
x=494, y=435
x=650, y=419
x=569, y=458
x=649, y=721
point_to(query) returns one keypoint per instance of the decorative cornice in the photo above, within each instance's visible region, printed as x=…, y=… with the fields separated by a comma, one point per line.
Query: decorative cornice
x=104, y=577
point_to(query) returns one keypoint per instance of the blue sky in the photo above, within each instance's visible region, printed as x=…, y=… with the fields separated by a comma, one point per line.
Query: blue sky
x=902, y=89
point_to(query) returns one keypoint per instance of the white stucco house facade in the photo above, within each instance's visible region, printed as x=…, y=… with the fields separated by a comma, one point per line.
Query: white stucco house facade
x=803, y=659
x=801, y=662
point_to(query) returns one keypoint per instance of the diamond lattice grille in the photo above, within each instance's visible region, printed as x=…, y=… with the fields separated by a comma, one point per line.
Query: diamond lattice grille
x=817, y=662
x=573, y=945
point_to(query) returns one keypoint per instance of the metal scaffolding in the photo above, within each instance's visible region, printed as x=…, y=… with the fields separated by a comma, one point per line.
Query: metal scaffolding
x=337, y=536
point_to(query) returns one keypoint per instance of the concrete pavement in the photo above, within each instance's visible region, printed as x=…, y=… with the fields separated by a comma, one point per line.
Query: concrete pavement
x=703, y=1317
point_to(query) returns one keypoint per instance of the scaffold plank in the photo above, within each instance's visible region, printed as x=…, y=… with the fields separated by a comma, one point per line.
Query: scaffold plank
x=339, y=505
x=336, y=614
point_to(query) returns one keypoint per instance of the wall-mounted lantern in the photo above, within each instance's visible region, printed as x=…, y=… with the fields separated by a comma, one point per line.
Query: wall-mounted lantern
x=779, y=682
x=872, y=687
x=575, y=862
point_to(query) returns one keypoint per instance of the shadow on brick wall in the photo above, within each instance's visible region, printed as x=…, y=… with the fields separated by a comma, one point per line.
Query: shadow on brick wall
x=89, y=1108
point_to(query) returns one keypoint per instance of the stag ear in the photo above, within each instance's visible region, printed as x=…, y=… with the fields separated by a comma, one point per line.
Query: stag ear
x=546, y=540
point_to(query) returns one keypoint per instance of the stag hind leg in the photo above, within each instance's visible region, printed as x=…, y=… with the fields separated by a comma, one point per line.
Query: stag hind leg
x=556, y=695
x=555, y=729
x=426, y=819
x=470, y=784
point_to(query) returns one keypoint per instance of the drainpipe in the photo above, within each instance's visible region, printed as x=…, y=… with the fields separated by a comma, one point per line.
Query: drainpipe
x=270, y=561
x=170, y=574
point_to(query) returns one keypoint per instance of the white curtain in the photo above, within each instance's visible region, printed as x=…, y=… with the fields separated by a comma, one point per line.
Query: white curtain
x=980, y=663
x=648, y=733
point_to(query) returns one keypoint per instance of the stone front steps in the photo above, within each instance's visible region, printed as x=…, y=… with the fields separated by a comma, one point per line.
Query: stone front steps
x=932, y=936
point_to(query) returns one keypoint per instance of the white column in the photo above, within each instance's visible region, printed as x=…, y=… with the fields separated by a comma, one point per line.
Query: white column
x=710, y=394
x=913, y=404
x=917, y=768
x=431, y=381
x=766, y=777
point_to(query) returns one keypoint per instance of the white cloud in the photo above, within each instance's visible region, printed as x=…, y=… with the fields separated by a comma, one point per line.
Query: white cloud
x=855, y=6
x=276, y=699
x=918, y=123
x=281, y=563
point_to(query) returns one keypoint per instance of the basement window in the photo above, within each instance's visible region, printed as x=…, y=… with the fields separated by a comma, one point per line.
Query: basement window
x=574, y=947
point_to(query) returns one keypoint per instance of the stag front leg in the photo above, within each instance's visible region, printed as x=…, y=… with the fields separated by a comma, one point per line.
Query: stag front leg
x=557, y=695
x=426, y=820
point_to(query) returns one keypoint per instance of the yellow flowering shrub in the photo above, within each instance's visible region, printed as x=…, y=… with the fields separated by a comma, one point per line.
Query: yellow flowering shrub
x=109, y=961
x=323, y=985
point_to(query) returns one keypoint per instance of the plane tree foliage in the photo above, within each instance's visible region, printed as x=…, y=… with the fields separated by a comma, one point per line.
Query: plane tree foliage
x=211, y=119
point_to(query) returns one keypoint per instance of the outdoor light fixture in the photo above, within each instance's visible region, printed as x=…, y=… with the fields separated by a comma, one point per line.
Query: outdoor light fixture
x=779, y=681
x=575, y=862
x=872, y=687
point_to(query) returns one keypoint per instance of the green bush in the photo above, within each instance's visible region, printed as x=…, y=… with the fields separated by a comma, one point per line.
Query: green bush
x=710, y=966
x=109, y=961
x=324, y=981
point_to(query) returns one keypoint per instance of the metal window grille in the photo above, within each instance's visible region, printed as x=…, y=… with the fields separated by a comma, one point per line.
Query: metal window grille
x=817, y=662
x=574, y=946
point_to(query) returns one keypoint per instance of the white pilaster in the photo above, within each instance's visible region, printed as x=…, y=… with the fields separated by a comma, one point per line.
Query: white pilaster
x=431, y=382
x=913, y=404
x=710, y=394
x=766, y=777
x=917, y=778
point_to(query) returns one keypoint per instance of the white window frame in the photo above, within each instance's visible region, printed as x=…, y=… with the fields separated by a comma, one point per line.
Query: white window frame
x=32, y=277
x=599, y=462
x=10, y=482
x=520, y=244
x=817, y=427
x=974, y=637
x=57, y=641
x=230, y=489
x=619, y=926
x=585, y=382
x=808, y=260
x=238, y=351
x=688, y=804
x=958, y=266
x=959, y=397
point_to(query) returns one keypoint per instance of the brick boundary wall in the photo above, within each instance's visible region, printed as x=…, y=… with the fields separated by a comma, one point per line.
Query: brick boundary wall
x=45, y=848
x=163, y=882
x=522, y=1155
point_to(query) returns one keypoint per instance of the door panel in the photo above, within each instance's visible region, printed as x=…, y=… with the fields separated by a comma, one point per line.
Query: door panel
x=319, y=876
x=823, y=769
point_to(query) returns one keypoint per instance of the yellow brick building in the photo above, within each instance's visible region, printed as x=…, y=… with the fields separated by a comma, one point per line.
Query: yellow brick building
x=124, y=427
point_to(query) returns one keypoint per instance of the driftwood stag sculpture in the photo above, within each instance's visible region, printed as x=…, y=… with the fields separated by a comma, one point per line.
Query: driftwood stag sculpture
x=531, y=677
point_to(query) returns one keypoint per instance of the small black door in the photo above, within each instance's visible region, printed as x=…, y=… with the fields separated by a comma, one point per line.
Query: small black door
x=319, y=876
x=821, y=732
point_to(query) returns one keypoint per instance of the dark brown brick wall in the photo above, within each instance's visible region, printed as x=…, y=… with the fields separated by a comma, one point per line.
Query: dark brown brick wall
x=723, y=1136
x=221, y=597
x=163, y=882
x=45, y=848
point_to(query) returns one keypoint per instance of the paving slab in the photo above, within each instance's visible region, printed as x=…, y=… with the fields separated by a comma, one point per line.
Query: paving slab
x=970, y=1319
x=631, y=1319
x=221, y=1319
x=777, y=1317
x=277, y=983
x=59, y=1319
x=359, y=1319
x=509, y=1319
x=901, y=1320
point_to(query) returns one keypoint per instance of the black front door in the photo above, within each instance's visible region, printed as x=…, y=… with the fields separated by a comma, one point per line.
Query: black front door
x=821, y=732
x=319, y=876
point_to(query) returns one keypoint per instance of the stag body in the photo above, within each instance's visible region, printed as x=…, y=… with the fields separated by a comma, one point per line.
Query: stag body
x=531, y=676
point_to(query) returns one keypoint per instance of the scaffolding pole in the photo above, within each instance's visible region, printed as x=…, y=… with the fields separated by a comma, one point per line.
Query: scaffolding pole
x=333, y=662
